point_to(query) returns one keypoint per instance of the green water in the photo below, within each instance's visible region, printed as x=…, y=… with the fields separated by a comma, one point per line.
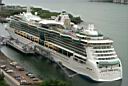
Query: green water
x=110, y=19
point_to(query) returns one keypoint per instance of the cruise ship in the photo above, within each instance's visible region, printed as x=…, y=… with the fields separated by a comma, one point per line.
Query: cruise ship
x=80, y=48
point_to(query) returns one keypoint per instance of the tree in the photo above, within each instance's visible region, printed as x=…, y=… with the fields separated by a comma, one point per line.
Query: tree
x=55, y=83
x=2, y=76
x=2, y=82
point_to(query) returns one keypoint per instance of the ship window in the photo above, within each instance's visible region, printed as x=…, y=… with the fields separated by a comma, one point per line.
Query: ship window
x=44, y=26
x=65, y=52
x=83, y=42
x=100, y=67
x=80, y=58
x=75, y=59
x=82, y=62
x=60, y=50
x=70, y=54
x=59, y=18
x=119, y=65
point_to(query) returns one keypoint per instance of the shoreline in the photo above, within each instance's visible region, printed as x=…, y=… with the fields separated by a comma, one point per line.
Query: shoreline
x=11, y=10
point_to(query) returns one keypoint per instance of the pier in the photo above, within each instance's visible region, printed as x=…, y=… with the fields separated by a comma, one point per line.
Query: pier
x=24, y=48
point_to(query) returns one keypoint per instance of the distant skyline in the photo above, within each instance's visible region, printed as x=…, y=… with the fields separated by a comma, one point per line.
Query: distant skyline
x=40, y=1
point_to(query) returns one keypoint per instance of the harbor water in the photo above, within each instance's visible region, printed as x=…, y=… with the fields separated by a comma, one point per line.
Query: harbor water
x=110, y=19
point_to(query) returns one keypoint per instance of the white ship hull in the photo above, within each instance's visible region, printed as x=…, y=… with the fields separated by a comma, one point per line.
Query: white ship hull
x=89, y=69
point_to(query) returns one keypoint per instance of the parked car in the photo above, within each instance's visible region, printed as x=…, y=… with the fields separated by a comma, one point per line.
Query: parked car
x=3, y=66
x=35, y=79
x=20, y=68
x=18, y=77
x=28, y=73
x=13, y=63
x=23, y=82
x=9, y=71
x=31, y=75
x=6, y=69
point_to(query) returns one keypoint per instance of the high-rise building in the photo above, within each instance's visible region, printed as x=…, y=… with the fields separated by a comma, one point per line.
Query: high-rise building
x=121, y=1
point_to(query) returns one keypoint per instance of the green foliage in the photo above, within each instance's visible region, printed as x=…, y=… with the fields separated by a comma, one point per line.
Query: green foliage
x=8, y=13
x=47, y=14
x=55, y=83
x=3, y=83
x=44, y=13
x=76, y=20
x=2, y=76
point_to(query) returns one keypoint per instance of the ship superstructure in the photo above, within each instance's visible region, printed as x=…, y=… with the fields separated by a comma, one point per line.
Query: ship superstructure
x=81, y=49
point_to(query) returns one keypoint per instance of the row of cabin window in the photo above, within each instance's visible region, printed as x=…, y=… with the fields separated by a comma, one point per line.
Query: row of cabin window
x=67, y=45
x=79, y=59
x=57, y=35
x=110, y=70
x=100, y=43
x=102, y=47
x=106, y=58
x=59, y=50
x=104, y=54
x=24, y=27
x=110, y=66
x=104, y=51
x=30, y=29
x=51, y=26
x=27, y=36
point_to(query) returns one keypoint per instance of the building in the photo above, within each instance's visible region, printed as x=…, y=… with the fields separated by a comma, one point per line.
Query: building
x=114, y=1
x=1, y=5
x=121, y=1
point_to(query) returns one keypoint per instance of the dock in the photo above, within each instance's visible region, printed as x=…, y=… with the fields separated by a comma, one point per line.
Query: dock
x=24, y=48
